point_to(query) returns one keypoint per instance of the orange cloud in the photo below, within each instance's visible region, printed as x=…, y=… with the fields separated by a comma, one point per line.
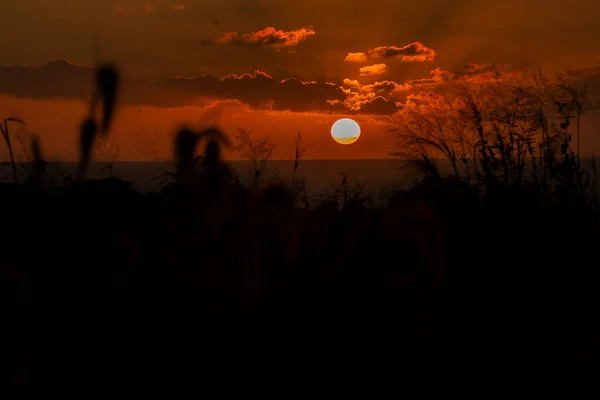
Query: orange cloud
x=356, y=57
x=368, y=104
x=179, y=7
x=380, y=86
x=377, y=98
x=385, y=97
x=376, y=69
x=267, y=37
x=414, y=52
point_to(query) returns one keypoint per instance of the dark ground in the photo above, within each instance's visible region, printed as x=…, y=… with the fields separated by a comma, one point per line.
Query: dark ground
x=102, y=285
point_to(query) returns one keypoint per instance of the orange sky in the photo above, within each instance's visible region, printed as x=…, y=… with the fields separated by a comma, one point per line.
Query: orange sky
x=361, y=59
x=140, y=131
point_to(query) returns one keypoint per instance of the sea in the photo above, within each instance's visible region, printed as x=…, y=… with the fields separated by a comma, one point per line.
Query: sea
x=320, y=177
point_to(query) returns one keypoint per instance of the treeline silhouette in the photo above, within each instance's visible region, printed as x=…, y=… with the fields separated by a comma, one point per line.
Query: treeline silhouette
x=210, y=280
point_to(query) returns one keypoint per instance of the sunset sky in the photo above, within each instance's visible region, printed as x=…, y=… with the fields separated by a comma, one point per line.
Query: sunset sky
x=278, y=67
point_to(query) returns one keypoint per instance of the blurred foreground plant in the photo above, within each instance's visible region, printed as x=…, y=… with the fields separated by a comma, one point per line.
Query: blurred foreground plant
x=6, y=135
x=107, y=83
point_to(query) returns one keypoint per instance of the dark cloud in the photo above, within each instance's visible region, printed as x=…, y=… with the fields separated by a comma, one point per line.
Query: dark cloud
x=414, y=52
x=61, y=79
x=55, y=79
x=259, y=89
x=380, y=105
x=267, y=37
x=470, y=72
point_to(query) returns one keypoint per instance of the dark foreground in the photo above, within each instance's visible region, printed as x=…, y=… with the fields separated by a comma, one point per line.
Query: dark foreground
x=200, y=283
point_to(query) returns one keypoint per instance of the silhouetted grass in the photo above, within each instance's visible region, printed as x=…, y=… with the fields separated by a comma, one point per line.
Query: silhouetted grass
x=512, y=133
x=6, y=136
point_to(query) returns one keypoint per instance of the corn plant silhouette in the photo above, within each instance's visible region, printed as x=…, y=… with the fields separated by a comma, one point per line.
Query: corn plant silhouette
x=107, y=84
x=186, y=141
x=186, y=160
x=39, y=164
x=6, y=135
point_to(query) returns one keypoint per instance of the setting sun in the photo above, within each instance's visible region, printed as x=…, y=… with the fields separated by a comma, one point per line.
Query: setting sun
x=345, y=131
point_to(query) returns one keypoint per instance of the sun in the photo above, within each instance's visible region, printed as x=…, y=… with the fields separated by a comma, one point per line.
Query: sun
x=345, y=131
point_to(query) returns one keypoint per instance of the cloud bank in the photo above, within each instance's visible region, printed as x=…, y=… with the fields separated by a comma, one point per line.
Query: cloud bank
x=257, y=89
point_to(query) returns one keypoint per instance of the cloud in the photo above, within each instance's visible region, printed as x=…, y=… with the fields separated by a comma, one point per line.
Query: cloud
x=381, y=106
x=479, y=73
x=246, y=75
x=356, y=57
x=377, y=105
x=63, y=79
x=376, y=69
x=66, y=80
x=414, y=52
x=470, y=72
x=380, y=98
x=267, y=37
x=260, y=90
x=387, y=86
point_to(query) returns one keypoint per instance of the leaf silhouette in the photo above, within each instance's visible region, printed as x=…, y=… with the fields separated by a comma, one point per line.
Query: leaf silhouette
x=107, y=81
